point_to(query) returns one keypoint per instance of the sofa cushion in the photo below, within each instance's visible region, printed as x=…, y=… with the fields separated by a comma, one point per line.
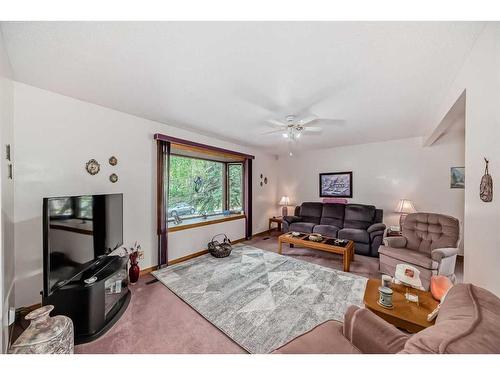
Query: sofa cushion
x=327, y=338
x=359, y=216
x=362, y=248
x=302, y=227
x=326, y=230
x=333, y=214
x=370, y=333
x=356, y=235
x=425, y=232
x=468, y=322
x=311, y=212
x=409, y=256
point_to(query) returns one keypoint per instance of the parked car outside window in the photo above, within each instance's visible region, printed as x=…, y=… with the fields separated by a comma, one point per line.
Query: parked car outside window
x=181, y=209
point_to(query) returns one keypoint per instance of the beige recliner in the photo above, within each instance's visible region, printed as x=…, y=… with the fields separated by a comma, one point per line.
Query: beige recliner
x=428, y=242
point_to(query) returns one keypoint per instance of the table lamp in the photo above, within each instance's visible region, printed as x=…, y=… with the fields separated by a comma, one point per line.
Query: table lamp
x=405, y=207
x=285, y=201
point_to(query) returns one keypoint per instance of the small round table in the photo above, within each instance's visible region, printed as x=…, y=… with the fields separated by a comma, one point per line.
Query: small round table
x=410, y=316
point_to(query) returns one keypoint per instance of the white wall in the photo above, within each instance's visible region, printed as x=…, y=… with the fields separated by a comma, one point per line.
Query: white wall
x=185, y=242
x=56, y=135
x=480, y=77
x=7, y=200
x=383, y=173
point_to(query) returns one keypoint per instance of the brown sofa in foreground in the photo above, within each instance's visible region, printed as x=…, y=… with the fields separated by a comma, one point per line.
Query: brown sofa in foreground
x=468, y=322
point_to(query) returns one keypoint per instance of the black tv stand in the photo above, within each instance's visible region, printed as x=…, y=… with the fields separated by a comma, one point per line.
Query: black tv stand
x=94, y=307
x=120, y=306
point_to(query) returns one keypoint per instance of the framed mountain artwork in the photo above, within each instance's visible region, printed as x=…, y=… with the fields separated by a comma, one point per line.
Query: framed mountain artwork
x=335, y=184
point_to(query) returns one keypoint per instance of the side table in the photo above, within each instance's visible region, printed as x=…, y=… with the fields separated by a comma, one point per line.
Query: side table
x=406, y=315
x=276, y=220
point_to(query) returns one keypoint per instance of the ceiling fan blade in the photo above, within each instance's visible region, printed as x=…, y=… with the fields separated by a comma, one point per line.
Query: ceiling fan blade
x=276, y=123
x=313, y=129
x=259, y=100
x=309, y=118
x=273, y=132
x=327, y=122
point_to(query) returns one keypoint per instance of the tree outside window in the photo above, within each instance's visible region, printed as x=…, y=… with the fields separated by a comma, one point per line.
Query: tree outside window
x=198, y=187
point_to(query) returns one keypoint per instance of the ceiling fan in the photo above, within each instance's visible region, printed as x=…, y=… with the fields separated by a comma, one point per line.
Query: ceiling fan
x=293, y=127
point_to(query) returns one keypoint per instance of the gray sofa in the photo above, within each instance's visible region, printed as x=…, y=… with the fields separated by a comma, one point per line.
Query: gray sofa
x=357, y=222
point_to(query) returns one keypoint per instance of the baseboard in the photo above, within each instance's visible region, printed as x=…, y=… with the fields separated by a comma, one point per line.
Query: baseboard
x=194, y=255
x=264, y=233
x=187, y=257
x=148, y=270
x=238, y=240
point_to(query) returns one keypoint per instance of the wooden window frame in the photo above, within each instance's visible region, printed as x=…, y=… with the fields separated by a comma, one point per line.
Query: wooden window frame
x=228, y=198
x=225, y=184
x=164, y=150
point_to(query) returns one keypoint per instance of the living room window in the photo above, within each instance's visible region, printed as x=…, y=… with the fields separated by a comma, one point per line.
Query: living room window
x=235, y=187
x=203, y=188
x=200, y=185
x=196, y=187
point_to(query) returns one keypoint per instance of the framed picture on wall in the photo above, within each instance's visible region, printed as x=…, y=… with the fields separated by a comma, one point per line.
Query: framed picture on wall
x=335, y=184
x=457, y=178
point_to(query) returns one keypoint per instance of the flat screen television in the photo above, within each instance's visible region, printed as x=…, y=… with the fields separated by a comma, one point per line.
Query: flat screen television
x=77, y=232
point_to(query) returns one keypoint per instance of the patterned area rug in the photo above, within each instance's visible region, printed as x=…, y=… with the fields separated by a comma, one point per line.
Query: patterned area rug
x=260, y=299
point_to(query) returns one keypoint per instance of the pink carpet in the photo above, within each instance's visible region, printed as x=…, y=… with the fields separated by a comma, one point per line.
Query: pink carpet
x=157, y=321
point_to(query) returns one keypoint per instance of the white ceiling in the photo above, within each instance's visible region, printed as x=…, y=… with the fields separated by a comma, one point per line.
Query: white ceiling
x=227, y=78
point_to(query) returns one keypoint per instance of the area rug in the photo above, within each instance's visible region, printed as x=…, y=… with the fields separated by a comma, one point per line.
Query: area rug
x=260, y=299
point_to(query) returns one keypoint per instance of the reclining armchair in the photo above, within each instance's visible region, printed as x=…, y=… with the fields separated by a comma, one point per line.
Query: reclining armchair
x=428, y=242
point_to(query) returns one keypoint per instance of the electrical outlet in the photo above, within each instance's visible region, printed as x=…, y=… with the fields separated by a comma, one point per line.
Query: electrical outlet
x=12, y=315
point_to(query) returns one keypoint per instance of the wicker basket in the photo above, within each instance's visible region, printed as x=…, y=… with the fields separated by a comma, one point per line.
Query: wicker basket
x=220, y=249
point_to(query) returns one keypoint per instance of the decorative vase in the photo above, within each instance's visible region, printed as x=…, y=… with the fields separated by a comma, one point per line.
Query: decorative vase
x=45, y=334
x=134, y=270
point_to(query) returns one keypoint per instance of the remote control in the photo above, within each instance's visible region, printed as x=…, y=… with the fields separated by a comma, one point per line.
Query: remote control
x=433, y=314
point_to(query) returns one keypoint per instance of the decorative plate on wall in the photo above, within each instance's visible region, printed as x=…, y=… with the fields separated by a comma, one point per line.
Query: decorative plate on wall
x=113, y=160
x=113, y=178
x=92, y=167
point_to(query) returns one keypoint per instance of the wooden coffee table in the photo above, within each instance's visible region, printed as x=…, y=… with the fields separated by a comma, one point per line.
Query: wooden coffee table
x=347, y=250
x=405, y=315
